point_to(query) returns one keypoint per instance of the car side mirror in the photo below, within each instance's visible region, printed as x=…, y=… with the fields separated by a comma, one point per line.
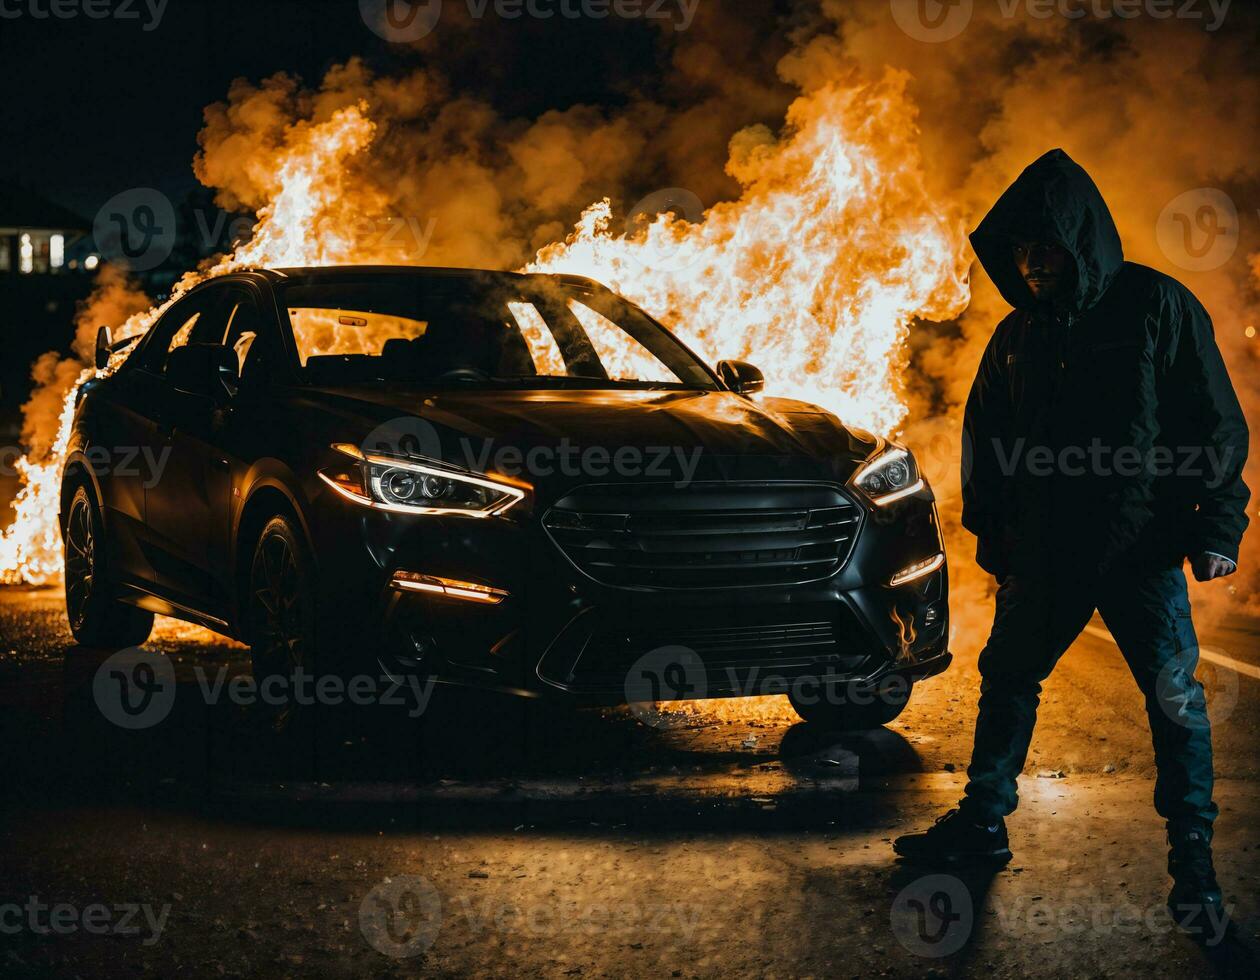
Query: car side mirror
x=209, y=370
x=741, y=377
x=104, y=345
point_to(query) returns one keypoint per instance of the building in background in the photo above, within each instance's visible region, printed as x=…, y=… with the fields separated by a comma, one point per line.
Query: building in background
x=46, y=260
x=37, y=236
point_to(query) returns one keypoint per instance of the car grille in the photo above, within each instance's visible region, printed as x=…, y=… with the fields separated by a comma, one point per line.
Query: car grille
x=594, y=654
x=705, y=536
x=717, y=646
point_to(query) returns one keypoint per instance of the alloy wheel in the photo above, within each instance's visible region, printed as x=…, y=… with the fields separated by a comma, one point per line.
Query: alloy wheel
x=276, y=590
x=80, y=560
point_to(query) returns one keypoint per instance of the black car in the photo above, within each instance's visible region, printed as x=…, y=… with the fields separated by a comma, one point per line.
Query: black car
x=518, y=482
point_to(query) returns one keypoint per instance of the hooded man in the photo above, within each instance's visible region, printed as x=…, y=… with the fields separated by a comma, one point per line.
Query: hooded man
x=1104, y=445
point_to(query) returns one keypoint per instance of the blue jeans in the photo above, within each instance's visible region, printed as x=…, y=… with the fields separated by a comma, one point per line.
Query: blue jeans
x=1038, y=617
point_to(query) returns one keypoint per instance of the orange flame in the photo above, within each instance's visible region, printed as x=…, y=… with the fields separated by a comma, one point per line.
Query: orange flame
x=816, y=272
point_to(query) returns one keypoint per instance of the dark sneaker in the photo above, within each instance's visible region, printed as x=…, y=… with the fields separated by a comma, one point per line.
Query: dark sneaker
x=1195, y=901
x=955, y=839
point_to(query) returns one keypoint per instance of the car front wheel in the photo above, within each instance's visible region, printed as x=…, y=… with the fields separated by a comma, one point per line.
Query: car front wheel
x=281, y=612
x=843, y=707
x=97, y=619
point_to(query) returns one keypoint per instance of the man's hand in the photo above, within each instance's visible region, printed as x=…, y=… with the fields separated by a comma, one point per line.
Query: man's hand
x=1207, y=567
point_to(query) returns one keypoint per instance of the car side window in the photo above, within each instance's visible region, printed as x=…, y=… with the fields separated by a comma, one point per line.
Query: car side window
x=247, y=334
x=243, y=327
x=173, y=329
x=181, y=338
x=190, y=321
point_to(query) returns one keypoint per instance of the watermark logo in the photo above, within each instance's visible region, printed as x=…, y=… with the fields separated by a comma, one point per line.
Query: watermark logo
x=670, y=673
x=136, y=228
x=1198, y=230
x=401, y=21
x=401, y=916
x=942, y=449
x=404, y=436
x=933, y=916
x=666, y=244
x=932, y=21
x=1185, y=694
x=135, y=688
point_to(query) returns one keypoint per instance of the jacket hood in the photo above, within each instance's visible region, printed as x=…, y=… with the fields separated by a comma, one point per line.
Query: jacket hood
x=1053, y=200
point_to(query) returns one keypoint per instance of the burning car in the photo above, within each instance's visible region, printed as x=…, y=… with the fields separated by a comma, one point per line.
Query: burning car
x=517, y=482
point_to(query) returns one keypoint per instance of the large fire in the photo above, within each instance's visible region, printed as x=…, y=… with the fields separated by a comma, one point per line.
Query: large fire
x=815, y=273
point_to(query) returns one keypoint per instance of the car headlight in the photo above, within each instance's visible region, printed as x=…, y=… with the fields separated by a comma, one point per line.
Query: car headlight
x=406, y=486
x=890, y=476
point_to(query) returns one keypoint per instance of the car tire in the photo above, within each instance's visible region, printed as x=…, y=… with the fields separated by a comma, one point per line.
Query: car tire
x=280, y=613
x=96, y=618
x=848, y=710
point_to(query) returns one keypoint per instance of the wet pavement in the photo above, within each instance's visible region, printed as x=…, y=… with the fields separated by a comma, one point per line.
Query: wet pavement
x=486, y=836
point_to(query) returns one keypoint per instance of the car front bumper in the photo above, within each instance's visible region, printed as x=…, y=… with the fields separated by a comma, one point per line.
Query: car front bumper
x=559, y=632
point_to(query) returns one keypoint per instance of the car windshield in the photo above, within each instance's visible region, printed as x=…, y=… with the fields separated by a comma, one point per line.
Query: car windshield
x=470, y=330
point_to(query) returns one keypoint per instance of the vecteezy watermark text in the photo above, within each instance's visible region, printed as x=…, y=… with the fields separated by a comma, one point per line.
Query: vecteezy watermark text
x=680, y=12
x=1121, y=9
x=402, y=916
x=406, y=21
x=568, y=459
x=91, y=9
x=1091, y=913
x=678, y=673
x=138, y=462
x=306, y=689
x=136, y=689
x=936, y=21
x=97, y=919
x=1208, y=463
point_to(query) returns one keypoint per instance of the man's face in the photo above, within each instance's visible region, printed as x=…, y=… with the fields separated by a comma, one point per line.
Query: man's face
x=1044, y=266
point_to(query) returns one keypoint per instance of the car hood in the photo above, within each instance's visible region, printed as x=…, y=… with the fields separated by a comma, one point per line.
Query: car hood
x=695, y=435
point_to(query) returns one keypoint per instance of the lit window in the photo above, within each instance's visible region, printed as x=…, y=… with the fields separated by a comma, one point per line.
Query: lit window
x=26, y=255
x=184, y=333
x=57, y=251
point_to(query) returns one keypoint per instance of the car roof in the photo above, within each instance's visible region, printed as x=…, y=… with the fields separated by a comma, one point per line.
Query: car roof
x=333, y=273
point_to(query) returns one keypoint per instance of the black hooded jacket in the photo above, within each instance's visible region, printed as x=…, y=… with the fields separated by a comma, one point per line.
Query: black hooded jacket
x=1107, y=430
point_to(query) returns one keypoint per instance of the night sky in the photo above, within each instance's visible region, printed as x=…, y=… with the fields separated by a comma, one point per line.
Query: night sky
x=93, y=107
